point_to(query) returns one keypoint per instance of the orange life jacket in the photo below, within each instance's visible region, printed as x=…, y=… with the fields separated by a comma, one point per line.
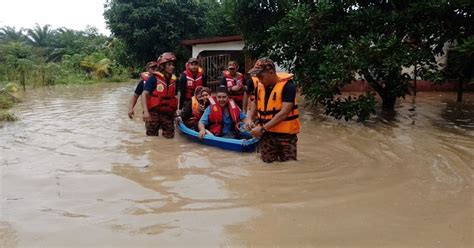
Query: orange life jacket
x=195, y=108
x=191, y=82
x=216, y=116
x=266, y=111
x=164, y=96
x=231, y=81
x=255, y=84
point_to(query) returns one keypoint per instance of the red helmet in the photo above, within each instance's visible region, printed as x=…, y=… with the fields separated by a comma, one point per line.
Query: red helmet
x=166, y=57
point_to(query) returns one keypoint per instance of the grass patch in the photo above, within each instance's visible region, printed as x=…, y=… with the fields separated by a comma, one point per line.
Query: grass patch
x=7, y=116
x=82, y=80
x=6, y=100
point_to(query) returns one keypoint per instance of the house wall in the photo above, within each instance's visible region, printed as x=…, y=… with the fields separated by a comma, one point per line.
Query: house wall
x=224, y=46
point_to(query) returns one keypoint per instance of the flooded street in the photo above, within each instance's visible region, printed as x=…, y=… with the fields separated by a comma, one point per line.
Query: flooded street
x=76, y=172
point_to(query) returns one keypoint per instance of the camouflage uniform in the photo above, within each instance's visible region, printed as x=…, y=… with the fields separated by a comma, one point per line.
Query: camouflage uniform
x=278, y=147
x=160, y=120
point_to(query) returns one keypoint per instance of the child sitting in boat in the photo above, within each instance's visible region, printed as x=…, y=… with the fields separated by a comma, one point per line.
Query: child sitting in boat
x=193, y=110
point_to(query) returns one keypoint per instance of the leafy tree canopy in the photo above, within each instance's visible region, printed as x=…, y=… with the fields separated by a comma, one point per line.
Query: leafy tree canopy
x=327, y=44
x=151, y=27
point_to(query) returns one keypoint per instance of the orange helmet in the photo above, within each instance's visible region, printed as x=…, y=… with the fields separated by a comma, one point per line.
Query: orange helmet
x=166, y=57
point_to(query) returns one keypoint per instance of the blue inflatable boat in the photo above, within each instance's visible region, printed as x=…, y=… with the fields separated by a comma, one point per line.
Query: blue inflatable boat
x=247, y=144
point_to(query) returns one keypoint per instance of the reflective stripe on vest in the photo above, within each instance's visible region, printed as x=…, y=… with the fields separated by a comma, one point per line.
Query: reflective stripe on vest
x=231, y=81
x=192, y=83
x=291, y=125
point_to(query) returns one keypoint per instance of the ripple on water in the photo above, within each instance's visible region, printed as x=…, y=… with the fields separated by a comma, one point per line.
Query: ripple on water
x=74, y=162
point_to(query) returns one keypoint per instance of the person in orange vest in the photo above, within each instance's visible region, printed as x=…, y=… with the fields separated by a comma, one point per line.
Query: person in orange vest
x=276, y=110
x=193, y=110
x=222, y=117
x=192, y=77
x=235, y=83
x=159, y=97
x=150, y=68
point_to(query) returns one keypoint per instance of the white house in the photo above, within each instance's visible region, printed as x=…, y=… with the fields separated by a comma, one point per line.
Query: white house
x=224, y=44
x=214, y=53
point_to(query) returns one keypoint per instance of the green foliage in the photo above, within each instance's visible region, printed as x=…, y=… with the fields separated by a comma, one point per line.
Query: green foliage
x=149, y=27
x=328, y=44
x=7, y=116
x=11, y=88
x=118, y=73
x=18, y=59
x=40, y=36
x=10, y=34
x=360, y=107
x=461, y=60
x=255, y=18
x=6, y=100
x=45, y=56
x=220, y=18
x=96, y=65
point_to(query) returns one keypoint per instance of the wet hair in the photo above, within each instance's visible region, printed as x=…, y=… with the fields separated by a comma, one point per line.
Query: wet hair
x=222, y=89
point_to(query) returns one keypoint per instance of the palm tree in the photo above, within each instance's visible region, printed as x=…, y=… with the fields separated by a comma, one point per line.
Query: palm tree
x=10, y=34
x=40, y=36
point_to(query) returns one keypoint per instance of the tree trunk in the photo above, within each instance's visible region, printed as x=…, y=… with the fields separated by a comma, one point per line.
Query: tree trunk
x=460, y=89
x=414, y=87
x=388, y=103
x=23, y=80
x=414, y=81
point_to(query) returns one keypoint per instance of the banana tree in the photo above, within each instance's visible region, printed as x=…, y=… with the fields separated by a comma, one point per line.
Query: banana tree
x=96, y=66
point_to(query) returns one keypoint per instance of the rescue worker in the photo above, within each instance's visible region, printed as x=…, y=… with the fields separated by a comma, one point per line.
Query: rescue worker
x=276, y=110
x=159, y=97
x=222, y=117
x=150, y=68
x=193, y=110
x=192, y=77
x=234, y=81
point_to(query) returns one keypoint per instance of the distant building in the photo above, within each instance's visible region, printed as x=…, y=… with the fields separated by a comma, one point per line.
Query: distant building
x=215, y=52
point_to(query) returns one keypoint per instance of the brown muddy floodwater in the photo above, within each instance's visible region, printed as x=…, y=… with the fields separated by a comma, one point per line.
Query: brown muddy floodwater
x=76, y=172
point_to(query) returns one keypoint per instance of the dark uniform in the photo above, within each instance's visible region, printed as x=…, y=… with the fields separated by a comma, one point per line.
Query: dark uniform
x=279, y=146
